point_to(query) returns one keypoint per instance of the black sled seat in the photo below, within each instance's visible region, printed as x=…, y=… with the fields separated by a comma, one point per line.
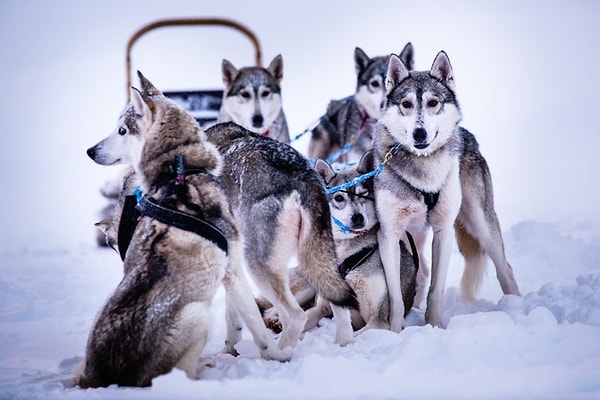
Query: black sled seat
x=203, y=105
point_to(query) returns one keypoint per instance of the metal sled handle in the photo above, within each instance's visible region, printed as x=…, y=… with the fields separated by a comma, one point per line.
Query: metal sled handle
x=189, y=22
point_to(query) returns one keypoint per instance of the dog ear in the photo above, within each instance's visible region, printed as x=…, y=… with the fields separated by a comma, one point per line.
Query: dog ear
x=325, y=170
x=366, y=162
x=229, y=72
x=396, y=73
x=407, y=56
x=276, y=68
x=148, y=88
x=139, y=103
x=361, y=60
x=442, y=70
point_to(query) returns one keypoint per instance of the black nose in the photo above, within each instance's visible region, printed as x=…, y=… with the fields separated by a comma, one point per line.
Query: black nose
x=358, y=221
x=420, y=135
x=91, y=152
x=257, y=120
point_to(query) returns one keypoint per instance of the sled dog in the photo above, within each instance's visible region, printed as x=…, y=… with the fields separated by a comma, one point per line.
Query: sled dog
x=252, y=99
x=280, y=203
x=185, y=244
x=434, y=177
x=355, y=235
x=351, y=121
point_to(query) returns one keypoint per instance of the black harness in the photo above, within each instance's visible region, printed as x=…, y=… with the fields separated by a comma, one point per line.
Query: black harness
x=430, y=199
x=148, y=206
x=359, y=258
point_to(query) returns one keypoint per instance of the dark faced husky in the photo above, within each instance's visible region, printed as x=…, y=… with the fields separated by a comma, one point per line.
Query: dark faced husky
x=184, y=246
x=281, y=205
x=252, y=99
x=351, y=121
x=433, y=177
x=355, y=234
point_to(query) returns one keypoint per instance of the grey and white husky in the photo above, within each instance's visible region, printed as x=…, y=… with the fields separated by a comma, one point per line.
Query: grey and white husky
x=434, y=176
x=351, y=121
x=281, y=205
x=185, y=245
x=252, y=99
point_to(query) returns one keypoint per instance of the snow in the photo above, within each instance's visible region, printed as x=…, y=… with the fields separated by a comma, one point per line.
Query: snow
x=62, y=73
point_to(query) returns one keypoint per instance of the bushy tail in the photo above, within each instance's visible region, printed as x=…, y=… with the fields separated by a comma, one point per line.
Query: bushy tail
x=475, y=262
x=317, y=259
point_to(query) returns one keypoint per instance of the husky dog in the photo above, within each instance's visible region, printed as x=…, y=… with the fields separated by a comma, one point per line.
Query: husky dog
x=351, y=121
x=281, y=205
x=434, y=176
x=252, y=99
x=184, y=246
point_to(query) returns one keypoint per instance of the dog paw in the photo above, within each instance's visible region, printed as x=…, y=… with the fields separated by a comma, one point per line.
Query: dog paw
x=273, y=324
x=230, y=349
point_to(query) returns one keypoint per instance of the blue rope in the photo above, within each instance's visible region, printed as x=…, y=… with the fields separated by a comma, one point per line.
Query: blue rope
x=341, y=225
x=138, y=194
x=356, y=180
x=338, y=153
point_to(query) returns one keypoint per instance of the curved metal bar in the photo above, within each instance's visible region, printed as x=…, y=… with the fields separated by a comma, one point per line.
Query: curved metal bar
x=189, y=22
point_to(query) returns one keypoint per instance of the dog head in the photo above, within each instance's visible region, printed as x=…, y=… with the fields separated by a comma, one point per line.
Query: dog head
x=354, y=206
x=370, y=74
x=124, y=145
x=421, y=111
x=252, y=96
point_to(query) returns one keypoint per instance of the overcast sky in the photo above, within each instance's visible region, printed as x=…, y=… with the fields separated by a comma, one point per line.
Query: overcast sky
x=526, y=78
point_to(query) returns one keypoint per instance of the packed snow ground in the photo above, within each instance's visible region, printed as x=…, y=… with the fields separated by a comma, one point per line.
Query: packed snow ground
x=544, y=345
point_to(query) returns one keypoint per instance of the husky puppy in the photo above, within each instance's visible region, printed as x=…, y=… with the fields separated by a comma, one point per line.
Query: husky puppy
x=351, y=121
x=434, y=178
x=280, y=203
x=252, y=99
x=184, y=246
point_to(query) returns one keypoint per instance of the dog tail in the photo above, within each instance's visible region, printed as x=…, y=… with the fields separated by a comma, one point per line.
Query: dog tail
x=316, y=256
x=475, y=262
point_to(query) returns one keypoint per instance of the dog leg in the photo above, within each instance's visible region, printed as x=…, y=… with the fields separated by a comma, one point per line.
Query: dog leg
x=344, y=333
x=422, y=240
x=242, y=299
x=314, y=314
x=389, y=251
x=193, y=327
x=441, y=253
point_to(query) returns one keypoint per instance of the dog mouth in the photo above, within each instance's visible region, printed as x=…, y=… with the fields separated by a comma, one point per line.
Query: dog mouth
x=421, y=146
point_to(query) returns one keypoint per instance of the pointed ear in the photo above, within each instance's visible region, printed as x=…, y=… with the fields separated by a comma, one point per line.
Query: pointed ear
x=407, y=56
x=442, y=70
x=139, y=105
x=229, y=73
x=148, y=88
x=325, y=170
x=366, y=162
x=396, y=73
x=276, y=68
x=103, y=225
x=361, y=60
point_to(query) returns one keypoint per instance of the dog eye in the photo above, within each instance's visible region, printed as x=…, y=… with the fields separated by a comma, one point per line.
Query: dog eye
x=245, y=95
x=375, y=83
x=266, y=93
x=406, y=104
x=432, y=103
x=338, y=197
x=122, y=131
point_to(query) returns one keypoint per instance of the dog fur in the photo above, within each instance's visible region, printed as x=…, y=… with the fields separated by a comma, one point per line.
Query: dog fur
x=252, y=99
x=280, y=203
x=436, y=159
x=352, y=120
x=158, y=317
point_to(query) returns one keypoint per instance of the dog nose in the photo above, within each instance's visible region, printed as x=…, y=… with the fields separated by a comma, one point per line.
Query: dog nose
x=91, y=152
x=358, y=221
x=257, y=120
x=420, y=135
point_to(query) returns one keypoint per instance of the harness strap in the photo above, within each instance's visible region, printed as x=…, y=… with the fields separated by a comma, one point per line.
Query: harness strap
x=430, y=199
x=148, y=206
x=127, y=224
x=355, y=260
